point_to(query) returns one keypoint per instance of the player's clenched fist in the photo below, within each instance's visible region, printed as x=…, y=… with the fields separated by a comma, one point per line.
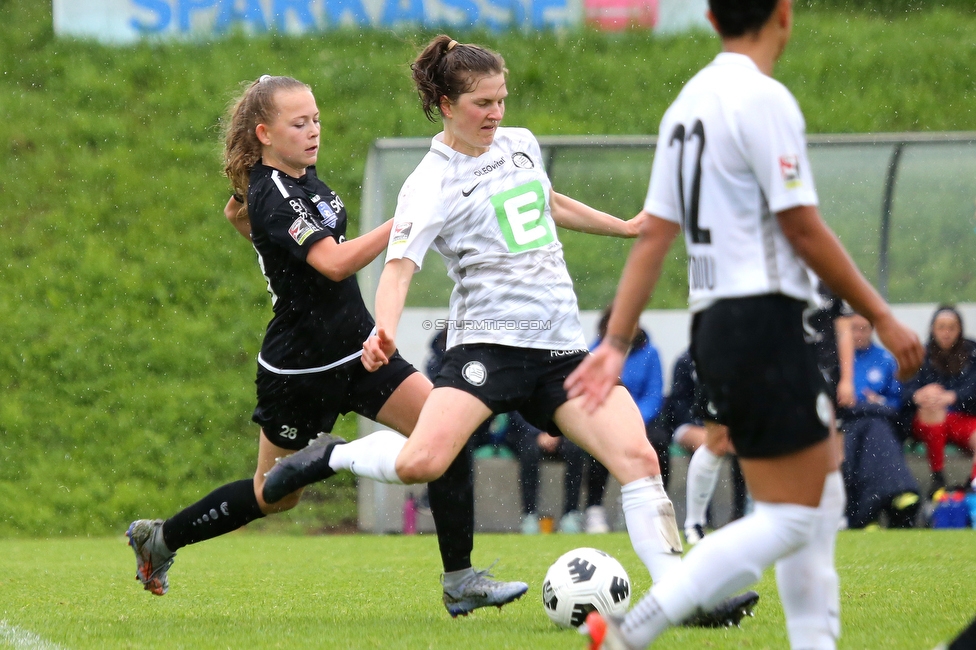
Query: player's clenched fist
x=377, y=350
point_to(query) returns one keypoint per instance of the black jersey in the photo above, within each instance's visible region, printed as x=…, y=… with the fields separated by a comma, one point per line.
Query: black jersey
x=317, y=322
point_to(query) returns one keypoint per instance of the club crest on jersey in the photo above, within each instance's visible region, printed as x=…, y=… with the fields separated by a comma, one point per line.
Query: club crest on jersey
x=328, y=215
x=401, y=233
x=521, y=160
x=301, y=229
x=789, y=167
x=475, y=373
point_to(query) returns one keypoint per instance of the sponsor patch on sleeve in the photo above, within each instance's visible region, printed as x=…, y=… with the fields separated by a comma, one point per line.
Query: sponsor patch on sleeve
x=789, y=167
x=301, y=229
x=401, y=233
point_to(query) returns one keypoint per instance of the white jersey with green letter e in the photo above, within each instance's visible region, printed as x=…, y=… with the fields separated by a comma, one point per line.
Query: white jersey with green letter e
x=489, y=218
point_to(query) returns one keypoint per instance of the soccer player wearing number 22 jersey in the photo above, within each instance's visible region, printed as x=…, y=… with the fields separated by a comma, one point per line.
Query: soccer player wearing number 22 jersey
x=731, y=172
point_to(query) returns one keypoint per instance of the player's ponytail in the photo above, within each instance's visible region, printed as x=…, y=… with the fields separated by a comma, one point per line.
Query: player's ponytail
x=446, y=68
x=242, y=149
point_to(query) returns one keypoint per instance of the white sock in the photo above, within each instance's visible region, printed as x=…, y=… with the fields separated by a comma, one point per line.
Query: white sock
x=373, y=456
x=722, y=564
x=703, y=470
x=651, y=525
x=808, y=584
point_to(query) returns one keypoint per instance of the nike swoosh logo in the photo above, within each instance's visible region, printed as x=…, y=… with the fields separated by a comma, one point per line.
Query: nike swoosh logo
x=468, y=193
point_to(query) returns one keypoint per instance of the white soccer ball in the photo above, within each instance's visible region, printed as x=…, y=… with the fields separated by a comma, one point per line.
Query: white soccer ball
x=581, y=581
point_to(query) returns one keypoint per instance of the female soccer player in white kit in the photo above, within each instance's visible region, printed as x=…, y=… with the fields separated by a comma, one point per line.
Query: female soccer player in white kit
x=731, y=171
x=482, y=200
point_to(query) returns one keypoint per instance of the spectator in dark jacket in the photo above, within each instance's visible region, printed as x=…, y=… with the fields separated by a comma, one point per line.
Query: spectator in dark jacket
x=943, y=393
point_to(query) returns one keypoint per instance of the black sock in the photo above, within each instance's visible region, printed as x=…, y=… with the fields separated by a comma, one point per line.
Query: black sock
x=225, y=509
x=452, y=506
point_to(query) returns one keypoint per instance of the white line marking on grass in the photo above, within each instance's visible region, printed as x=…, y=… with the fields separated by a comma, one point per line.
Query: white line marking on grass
x=12, y=635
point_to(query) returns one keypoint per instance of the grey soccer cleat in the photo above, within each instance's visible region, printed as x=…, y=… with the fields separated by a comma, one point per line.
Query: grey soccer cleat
x=302, y=468
x=479, y=590
x=153, y=559
x=727, y=613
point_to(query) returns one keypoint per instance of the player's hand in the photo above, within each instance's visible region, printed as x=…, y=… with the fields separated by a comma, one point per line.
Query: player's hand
x=903, y=343
x=377, y=350
x=635, y=224
x=595, y=377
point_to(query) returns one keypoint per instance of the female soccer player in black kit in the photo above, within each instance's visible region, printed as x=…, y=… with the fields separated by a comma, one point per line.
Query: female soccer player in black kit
x=308, y=368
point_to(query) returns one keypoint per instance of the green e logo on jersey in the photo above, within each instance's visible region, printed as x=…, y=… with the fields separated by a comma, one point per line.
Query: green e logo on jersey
x=521, y=216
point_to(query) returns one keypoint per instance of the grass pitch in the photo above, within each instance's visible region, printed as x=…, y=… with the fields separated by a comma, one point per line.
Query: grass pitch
x=904, y=589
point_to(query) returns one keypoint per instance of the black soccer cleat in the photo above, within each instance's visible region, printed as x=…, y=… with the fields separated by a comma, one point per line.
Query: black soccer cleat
x=302, y=468
x=727, y=613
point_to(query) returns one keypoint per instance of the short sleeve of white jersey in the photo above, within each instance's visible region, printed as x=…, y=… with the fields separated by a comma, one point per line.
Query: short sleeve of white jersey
x=774, y=142
x=663, y=199
x=419, y=215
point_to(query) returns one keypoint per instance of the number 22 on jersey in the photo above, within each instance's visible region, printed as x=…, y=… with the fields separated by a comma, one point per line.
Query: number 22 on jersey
x=701, y=268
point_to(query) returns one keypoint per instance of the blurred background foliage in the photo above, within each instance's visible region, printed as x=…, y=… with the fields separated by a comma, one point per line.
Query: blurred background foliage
x=131, y=312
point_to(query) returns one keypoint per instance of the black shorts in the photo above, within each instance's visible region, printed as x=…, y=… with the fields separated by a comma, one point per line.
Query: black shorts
x=505, y=379
x=760, y=375
x=293, y=409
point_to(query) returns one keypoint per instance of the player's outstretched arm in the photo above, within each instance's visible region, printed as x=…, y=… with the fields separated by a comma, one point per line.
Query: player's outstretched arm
x=391, y=295
x=599, y=372
x=574, y=215
x=822, y=251
x=338, y=261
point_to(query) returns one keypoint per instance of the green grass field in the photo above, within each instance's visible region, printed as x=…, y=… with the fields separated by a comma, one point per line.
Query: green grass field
x=904, y=589
x=131, y=312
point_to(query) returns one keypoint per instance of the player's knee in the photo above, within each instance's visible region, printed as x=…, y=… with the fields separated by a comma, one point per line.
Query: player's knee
x=645, y=460
x=420, y=470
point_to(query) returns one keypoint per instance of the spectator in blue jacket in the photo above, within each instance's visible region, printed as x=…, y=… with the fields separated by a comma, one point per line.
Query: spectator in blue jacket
x=876, y=475
x=874, y=368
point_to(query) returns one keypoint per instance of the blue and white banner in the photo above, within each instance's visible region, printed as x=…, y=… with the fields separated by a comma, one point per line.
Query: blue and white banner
x=123, y=21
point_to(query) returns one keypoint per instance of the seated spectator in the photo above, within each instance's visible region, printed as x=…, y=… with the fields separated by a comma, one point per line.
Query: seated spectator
x=874, y=368
x=943, y=393
x=876, y=476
